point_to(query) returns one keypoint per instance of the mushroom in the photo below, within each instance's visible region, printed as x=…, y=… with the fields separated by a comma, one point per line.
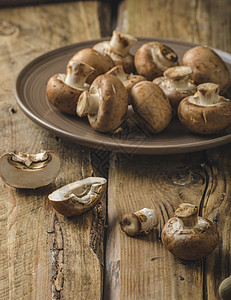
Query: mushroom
x=151, y=105
x=207, y=66
x=129, y=80
x=101, y=63
x=63, y=90
x=153, y=58
x=78, y=197
x=188, y=236
x=140, y=222
x=29, y=171
x=225, y=289
x=176, y=84
x=118, y=49
x=105, y=104
x=205, y=112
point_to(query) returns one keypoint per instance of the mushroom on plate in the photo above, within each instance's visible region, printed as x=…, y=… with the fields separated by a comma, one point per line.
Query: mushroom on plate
x=118, y=49
x=78, y=197
x=101, y=63
x=151, y=106
x=153, y=58
x=207, y=66
x=63, y=90
x=105, y=104
x=140, y=222
x=129, y=80
x=206, y=112
x=176, y=84
x=189, y=236
x=29, y=171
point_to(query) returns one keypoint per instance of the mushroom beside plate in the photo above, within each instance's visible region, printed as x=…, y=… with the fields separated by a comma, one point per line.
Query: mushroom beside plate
x=30, y=92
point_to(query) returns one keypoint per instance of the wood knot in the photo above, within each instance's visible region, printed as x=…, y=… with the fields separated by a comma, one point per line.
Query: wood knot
x=8, y=30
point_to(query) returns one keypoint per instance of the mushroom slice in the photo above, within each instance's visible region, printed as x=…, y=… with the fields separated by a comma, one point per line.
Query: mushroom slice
x=153, y=58
x=129, y=80
x=225, y=289
x=151, y=105
x=29, y=171
x=63, y=90
x=79, y=196
x=118, y=49
x=105, y=104
x=188, y=236
x=206, y=112
x=140, y=222
x=176, y=84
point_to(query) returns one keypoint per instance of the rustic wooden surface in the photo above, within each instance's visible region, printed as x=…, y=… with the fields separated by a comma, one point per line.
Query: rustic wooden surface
x=46, y=256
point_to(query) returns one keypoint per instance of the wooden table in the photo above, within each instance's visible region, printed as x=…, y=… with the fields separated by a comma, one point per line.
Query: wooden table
x=47, y=256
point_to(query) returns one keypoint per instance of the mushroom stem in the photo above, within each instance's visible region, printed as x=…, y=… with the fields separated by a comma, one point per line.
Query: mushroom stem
x=118, y=72
x=88, y=104
x=207, y=95
x=177, y=77
x=77, y=73
x=188, y=214
x=163, y=56
x=121, y=43
x=28, y=159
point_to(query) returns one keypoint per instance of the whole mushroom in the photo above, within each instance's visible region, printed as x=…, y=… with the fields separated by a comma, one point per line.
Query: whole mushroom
x=206, y=112
x=151, y=106
x=207, y=66
x=153, y=58
x=63, y=90
x=176, y=84
x=101, y=63
x=118, y=49
x=78, y=197
x=105, y=104
x=29, y=171
x=189, y=236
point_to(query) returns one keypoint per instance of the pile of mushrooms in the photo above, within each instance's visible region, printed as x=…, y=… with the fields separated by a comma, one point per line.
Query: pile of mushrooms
x=101, y=82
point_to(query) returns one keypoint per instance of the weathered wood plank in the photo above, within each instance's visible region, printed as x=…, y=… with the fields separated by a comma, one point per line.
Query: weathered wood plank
x=43, y=254
x=141, y=268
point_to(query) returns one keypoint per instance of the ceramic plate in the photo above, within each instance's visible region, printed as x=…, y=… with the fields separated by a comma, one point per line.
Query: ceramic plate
x=30, y=92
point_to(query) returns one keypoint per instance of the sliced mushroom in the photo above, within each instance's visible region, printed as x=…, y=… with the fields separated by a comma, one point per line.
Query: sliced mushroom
x=101, y=63
x=207, y=66
x=176, y=84
x=188, y=236
x=140, y=222
x=29, y=171
x=63, y=90
x=105, y=104
x=78, y=197
x=225, y=289
x=205, y=112
x=153, y=58
x=151, y=106
x=129, y=80
x=118, y=49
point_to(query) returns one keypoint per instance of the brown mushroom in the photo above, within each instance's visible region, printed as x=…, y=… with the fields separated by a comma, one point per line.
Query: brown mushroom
x=151, y=106
x=63, y=90
x=105, y=104
x=101, y=63
x=189, y=236
x=129, y=80
x=205, y=112
x=176, y=84
x=78, y=197
x=207, y=66
x=153, y=58
x=118, y=49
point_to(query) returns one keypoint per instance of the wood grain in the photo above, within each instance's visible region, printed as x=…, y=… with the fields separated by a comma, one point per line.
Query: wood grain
x=43, y=254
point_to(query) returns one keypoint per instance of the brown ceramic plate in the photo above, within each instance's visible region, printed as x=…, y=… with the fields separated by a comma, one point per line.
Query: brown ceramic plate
x=30, y=93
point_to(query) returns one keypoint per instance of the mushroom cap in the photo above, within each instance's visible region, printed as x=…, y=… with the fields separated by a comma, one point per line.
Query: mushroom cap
x=101, y=63
x=190, y=245
x=207, y=66
x=149, y=65
x=29, y=171
x=78, y=197
x=204, y=119
x=113, y=103
x=62, y=96
x=151, y=106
